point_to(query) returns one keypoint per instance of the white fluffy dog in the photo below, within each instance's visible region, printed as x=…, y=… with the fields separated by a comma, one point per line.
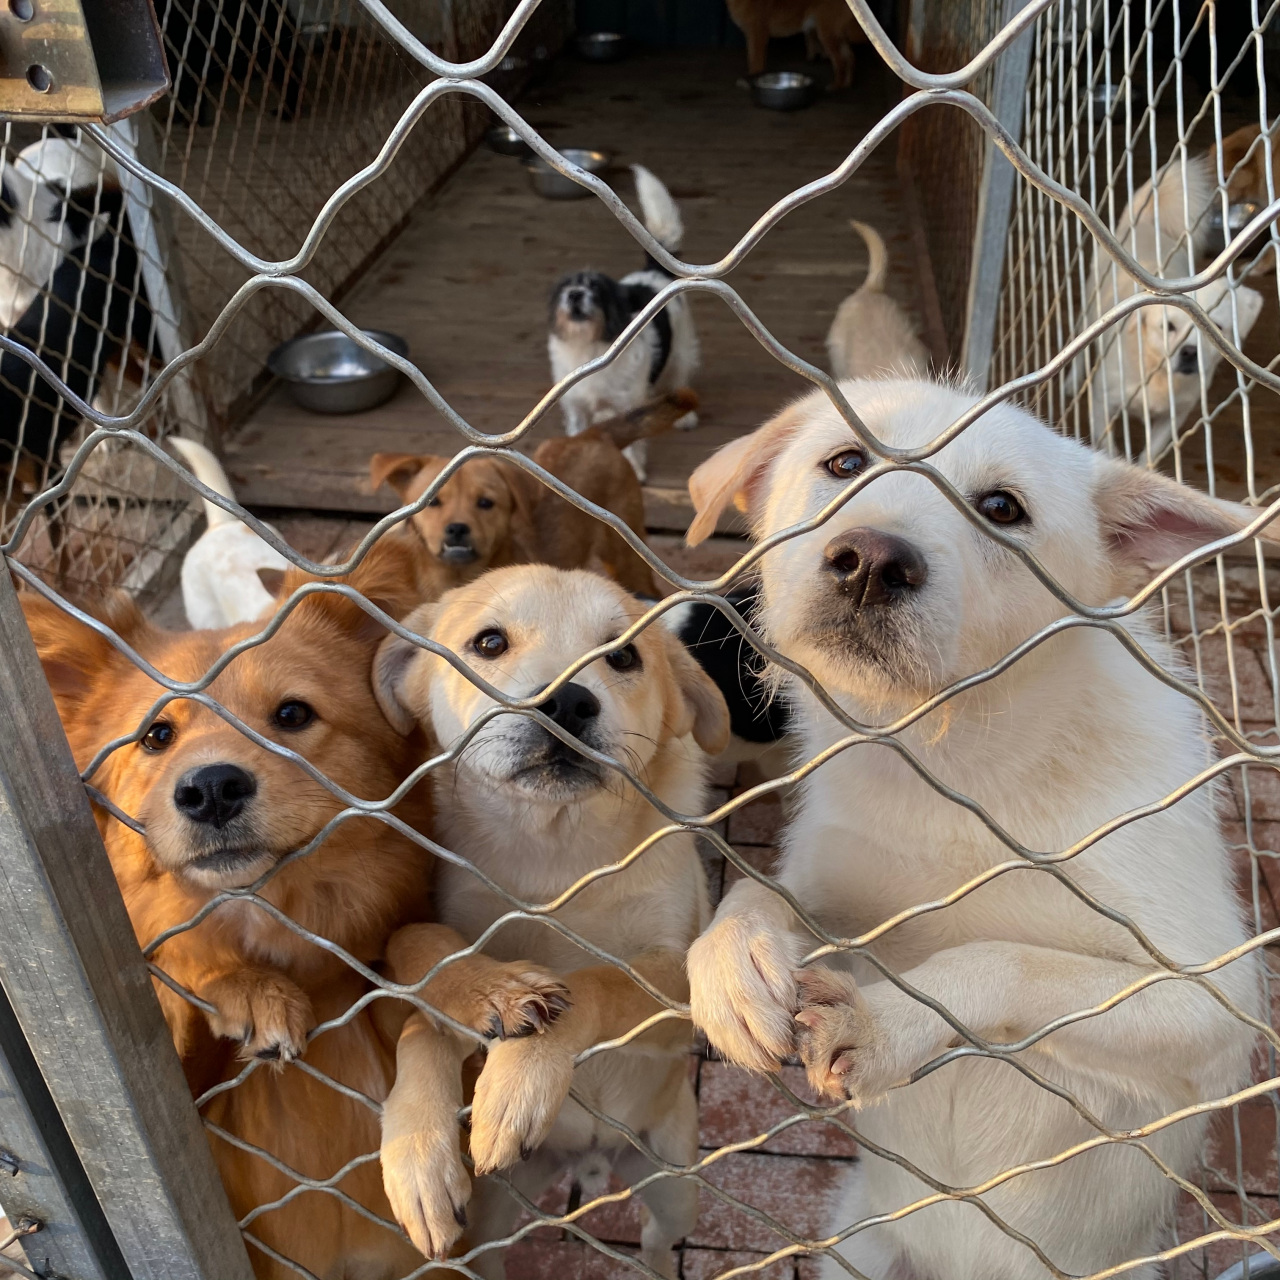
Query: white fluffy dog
x=895, y=597
x=220, y=582
x=590, y=309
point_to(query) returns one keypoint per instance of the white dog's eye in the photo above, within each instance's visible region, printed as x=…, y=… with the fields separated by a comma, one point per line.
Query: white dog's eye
x=490, y=644
x=625, y=659
x=846, y=464
x=1000, y=507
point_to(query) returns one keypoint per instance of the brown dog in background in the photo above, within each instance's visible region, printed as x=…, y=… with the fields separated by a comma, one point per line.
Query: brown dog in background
x=490, y=514
x=832, y=21
x=219, y=812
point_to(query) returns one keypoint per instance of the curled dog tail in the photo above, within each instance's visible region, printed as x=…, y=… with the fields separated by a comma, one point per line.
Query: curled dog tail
x=879, y=268
x=208, y=470
x=660, y=212
x=646, y=420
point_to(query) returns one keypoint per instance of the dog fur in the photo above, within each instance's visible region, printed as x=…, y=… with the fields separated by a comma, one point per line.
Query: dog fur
x=832, y=21
x=269, y=986
x=871, y=334
x=220, y=572
x=534, y=815
x=590, y=309
x=894, y=598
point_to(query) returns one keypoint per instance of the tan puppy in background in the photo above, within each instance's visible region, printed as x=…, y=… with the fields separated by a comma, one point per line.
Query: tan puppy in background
x=871, y=333
x=831, y=20
x=535, y=816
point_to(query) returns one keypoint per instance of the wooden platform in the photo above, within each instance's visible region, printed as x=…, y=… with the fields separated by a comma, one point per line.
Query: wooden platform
x=468, y=281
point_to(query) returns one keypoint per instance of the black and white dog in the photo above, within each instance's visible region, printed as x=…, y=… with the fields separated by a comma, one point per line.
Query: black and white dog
x=590, y=309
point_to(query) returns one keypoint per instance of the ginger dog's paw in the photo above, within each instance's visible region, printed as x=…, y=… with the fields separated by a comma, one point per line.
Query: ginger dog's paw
x=525, y=1000
x=742, y=992
x=518, y=1096
x=266, y=1012
x=427, y=1185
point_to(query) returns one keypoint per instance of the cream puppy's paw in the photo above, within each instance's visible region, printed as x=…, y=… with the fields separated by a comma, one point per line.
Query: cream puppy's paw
x=518, y=1096
x=425, y=1180
x=269, y=1014
x=858, y=1044
x=524, y=1000
x=742, y=991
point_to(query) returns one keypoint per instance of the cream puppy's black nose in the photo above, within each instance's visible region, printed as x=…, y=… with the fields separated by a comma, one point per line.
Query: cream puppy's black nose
x=213, y=793
x=874, y=568
x=573, y=707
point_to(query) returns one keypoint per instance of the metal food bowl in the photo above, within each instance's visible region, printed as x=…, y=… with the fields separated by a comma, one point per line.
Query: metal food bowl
x=329, y=373
x=783, y=90
x=506, y=141
x=554, y=185
x=1239, y=216
x=603, y=46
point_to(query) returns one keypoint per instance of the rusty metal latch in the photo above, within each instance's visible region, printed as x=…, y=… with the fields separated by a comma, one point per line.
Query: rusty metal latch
x=79, y=60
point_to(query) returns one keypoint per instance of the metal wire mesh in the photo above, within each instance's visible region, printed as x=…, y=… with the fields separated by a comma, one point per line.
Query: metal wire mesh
x=1076, y=178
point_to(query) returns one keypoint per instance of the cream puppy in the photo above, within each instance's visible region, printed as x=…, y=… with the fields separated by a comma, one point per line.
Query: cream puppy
x=894, y=598
x=535, y=816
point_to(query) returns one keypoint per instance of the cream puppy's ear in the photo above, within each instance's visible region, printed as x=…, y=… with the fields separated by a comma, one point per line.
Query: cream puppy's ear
x=700, y=706
x=1148, y=521
x=393, y=665
x=736, y=473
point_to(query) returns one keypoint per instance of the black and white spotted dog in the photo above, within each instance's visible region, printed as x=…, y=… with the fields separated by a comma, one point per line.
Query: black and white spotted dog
x=590, y=309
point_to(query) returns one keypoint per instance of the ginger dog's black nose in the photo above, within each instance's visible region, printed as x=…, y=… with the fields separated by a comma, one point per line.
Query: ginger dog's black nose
x=572, y=708
x=457, y=532
x=875, y=568
x=214, y=793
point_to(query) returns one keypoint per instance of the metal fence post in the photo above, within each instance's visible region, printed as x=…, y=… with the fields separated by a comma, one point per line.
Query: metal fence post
x=995, y=204
x=71, y=969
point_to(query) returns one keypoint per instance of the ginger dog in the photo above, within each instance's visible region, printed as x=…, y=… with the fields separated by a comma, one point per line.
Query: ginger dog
x=221, y=811
x=534, y=816
x=831, y=20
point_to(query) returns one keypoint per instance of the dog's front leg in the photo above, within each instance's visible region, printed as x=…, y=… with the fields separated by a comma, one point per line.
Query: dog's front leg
x=859, y=1043
x=742, y=989
x=525, y=1082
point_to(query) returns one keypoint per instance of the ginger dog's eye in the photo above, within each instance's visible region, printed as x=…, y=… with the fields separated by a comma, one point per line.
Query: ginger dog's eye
x=624, y=659
x=159, y=736
x=293, y=715
x=490, y=644
x=433, y=502
x=484, y=503
x=846, y=464
x=1000, y=508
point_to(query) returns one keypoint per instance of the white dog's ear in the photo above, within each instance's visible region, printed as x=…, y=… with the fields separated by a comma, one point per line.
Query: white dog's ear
x=735, y=473
x=391, y=667
x=1148, y=521
x=702, y=710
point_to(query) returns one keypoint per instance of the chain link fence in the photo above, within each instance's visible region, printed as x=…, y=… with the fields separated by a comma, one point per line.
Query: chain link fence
x=112, y=1177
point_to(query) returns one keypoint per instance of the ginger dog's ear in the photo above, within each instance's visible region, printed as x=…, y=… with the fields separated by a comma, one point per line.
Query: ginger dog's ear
x=736, y=473
x=396, y=660
x=702, y=708
x=1148, y=521
x=397, y=470
x=74, y=656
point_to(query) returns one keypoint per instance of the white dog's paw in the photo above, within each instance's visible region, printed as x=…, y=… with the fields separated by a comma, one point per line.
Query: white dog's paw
x=742, y=991
x=859, y=1045
x=427, y=1185
x=518, y=1096
x=688, y=422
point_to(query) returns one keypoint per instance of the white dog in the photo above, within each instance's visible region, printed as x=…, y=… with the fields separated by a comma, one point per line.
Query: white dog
x=590, y=309
x=1151, y=365
x=895, y=597
x=871, y=334
x=220, y=573
x=535, y=816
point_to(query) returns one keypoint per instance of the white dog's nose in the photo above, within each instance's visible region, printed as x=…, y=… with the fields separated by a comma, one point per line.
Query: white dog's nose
x=875, y=568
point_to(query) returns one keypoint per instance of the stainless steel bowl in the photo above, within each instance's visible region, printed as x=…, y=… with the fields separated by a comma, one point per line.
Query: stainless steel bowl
x=554, y=185
x=506, y=141
x=329, y=373
x=603, y=46
x=783, y=90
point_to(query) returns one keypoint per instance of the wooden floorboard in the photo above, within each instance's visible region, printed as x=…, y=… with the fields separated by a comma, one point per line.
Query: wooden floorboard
x=467, y=282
